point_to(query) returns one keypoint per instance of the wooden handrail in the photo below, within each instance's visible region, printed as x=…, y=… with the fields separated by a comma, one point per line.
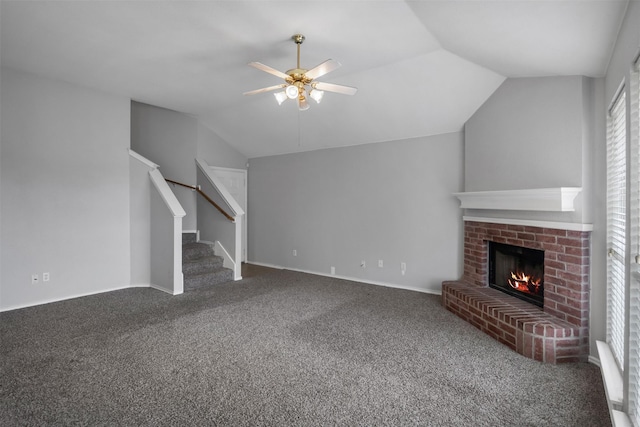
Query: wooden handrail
x=203, y=194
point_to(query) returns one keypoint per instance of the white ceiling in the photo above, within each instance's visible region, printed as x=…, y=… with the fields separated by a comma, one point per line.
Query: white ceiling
x=421, y=67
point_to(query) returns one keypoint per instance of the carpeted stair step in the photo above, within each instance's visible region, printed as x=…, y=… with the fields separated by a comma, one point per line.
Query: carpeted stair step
x=201, y=267
x=194, y=251
x=221, y=275
x=193, y=267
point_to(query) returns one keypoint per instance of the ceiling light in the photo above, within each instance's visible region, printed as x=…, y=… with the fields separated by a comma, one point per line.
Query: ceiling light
x=291, y=91
x=300, y=83
x=316, y=95
x=280, y=97
x=303, y=105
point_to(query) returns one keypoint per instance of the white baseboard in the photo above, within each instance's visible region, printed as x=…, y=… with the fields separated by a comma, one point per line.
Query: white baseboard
x=349, y=278
x=80, y=295
x=263, y=264
x=159, y=288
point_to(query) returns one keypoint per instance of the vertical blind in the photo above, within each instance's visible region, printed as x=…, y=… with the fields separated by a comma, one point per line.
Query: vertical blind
x=634, y=219
x=616, y=226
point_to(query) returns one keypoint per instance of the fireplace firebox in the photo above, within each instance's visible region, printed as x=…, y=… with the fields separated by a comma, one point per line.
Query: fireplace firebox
x=517, y=271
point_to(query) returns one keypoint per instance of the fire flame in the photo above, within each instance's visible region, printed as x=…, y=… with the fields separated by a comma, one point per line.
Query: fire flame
x=524, y=283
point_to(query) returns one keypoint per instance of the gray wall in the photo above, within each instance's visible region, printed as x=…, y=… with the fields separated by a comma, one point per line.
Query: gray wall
x=65, y=190
x=169, y=138
x=390, y=201
x=216, y=152
x=528, y=134
x=533, y=133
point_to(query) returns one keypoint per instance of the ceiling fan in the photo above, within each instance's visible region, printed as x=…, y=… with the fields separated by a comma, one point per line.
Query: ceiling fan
x=300, y=82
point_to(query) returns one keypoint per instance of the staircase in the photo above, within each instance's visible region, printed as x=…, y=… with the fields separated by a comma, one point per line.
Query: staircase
x=200, y=266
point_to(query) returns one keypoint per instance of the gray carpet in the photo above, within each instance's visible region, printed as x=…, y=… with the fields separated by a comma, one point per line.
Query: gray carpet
x=279, y=348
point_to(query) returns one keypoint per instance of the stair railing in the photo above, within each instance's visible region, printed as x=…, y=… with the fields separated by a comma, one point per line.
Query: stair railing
x=203, y=194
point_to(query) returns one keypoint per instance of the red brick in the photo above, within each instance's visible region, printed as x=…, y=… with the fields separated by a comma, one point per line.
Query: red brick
x=551, y=247
x=554, y=232
x=526, y=236
x=550, y=296
x=570, y=293
x=549, y=350
x=508, y=329
x=549, y=273
x=567, y=241
x=554, y=312
x=576, y=251
x=571, y=311
x=569, y=342
x=478, y=323
x=538, y=344
x=577, y=304
x=575, y=286
x=540, y=329
x=567, y=352
x=543, y=238
x=571, y=259
x=495, y=329
x=510, y=340
x=508, y=234
x=533, y=230
x=577, y=234
x=528, y=346
x=554, y=264
x=491, y=321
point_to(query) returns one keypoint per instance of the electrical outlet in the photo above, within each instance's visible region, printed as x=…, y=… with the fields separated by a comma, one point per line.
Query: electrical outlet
x=403, y=268
x=363, y=264
x=333, y=270
x=34, y=278
x=380, y=263
x=295, y=252
x=45, y=277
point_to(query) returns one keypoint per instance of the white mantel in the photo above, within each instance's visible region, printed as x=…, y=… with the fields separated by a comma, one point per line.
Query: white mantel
x=540, y=199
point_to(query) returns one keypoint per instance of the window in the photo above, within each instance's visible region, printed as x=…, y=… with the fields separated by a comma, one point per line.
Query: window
x=634, y=231
x=616, y=226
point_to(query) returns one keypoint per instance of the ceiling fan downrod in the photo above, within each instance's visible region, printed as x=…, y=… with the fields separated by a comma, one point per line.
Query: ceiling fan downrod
x=298, y=38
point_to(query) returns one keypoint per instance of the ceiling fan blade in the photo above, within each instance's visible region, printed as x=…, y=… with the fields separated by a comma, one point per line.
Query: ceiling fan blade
x=330, y=87
x=269, y=70
x=322, y=69
x=265, y=89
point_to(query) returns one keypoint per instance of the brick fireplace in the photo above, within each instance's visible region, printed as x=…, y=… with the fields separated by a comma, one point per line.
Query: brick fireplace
x=556, y=333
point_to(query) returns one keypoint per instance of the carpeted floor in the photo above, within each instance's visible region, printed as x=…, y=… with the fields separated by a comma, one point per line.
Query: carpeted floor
x=277, y=348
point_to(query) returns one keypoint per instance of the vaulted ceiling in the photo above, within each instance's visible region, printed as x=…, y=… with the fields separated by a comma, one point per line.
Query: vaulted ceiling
x=421, y=67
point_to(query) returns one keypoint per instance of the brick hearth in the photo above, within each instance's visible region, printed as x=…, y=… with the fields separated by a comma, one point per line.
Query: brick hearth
x=557, y=333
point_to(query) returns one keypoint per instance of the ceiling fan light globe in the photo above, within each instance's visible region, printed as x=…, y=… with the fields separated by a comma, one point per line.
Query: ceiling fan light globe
x=316, y=95
x=280, y=97
x=303, y=105
x=291, y=92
